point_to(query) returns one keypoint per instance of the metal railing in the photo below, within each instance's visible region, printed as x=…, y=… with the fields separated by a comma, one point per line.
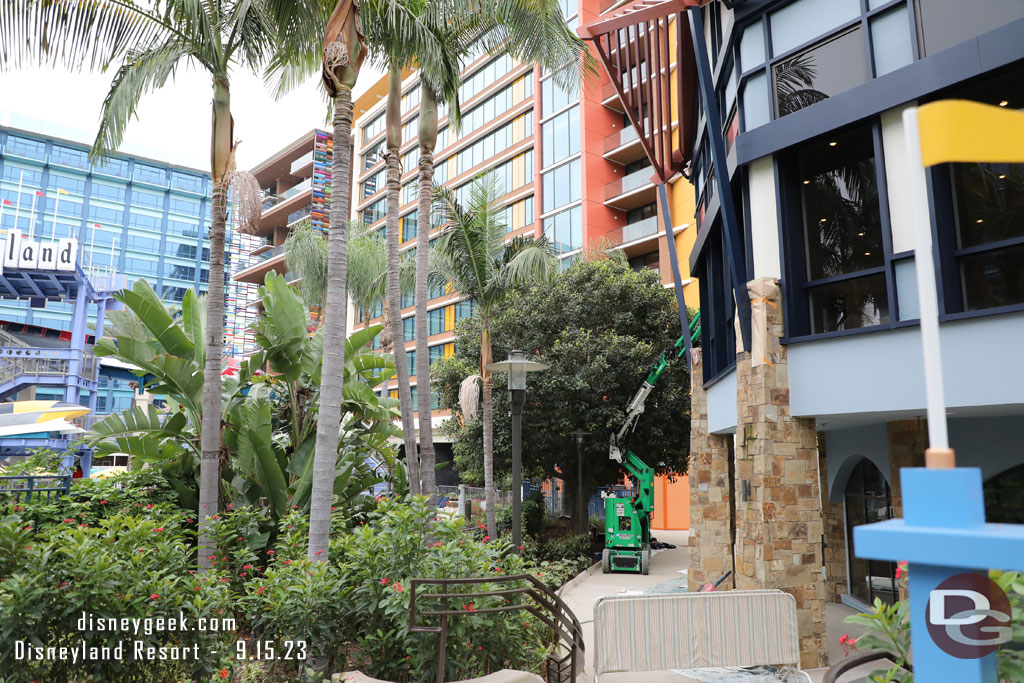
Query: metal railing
x=620, y=138
x=475, y=493
x=19, y=361
x=8, y=339
x=535, y=598
x=633, y=181
x=32, y=489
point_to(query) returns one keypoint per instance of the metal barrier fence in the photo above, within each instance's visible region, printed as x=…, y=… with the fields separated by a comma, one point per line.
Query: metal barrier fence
x=32, y=489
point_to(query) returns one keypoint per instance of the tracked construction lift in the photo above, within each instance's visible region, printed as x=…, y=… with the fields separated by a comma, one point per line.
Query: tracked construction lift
x=628, y=520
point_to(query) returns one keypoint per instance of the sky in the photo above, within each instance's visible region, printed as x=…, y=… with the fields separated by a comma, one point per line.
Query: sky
x=172, y=124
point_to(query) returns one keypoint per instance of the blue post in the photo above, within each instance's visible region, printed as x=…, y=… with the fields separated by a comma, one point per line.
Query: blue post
x=79, y=319
x=943, y=534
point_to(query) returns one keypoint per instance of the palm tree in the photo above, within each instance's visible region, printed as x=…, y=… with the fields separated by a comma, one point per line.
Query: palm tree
x=305, y=255
x=473, y=257
x=400, y=35
x=150, y=41
x=367, y=276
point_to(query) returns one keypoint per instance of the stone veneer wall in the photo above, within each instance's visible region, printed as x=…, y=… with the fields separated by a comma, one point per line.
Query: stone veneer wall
x=908, y=440
x=779, y=526
x=710, y=545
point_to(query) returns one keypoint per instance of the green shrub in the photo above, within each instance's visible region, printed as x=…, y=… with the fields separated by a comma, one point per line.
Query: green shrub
x=571, y=547
x=533, y=516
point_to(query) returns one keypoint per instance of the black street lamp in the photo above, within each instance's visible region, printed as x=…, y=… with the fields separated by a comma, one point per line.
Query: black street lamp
x=517, y=366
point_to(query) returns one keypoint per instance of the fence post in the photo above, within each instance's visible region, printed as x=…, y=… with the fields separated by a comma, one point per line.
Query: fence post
x=465, y=507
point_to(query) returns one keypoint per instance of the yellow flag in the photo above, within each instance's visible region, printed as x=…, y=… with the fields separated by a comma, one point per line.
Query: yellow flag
x=60, y=191
x=960, y=130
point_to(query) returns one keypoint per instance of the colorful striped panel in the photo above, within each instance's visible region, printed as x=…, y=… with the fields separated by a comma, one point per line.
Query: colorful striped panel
x=694, y=630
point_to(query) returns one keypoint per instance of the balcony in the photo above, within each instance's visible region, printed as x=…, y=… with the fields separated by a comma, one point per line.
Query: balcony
x=631, y=191
x=265, y=260
x=610, y=98
x=623, y=146
x=302, y=167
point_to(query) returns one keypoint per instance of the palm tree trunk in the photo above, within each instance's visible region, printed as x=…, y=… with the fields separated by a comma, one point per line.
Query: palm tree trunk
x=209, y=466
x=325, y=457
x=394, y=175
x=488, y=418
x=428, y=140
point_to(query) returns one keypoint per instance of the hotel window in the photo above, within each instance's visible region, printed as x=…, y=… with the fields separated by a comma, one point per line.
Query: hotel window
x=112, y=192
x=519, y=215
x=375, y=182
x=484, y=77
x=562, y=185
x=149, y=200
x=149, y=245
x=114, y=167
x=409, y=328
x=373, y=155
x=25, y=176
x=717, y=305
x=25, y=147
x=441, y=351
x=184, y=206
x=376, y=211
x=106, y=215
x=373, y=128
x=810, y=50
x=408, y=299
x=979, y=216
x=141, y=266
x=407, y=226
x=410, y=129
x=561, y=136
x=68, y=156
x=150, y=174
x=411, y=99
x=836, y=235
x=410, y=359
x=69, y=184
x=565, y=230
x=186, y=182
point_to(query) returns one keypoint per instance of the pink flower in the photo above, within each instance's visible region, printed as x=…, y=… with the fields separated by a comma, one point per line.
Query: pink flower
x=287, y=561
x=270, y=552
x=246, y=566
x=154, y=596
x=383, y=582
x=103, y=502
x=318, y=552
x=261, y=589
x=486, y=538
x=397, y=587
x=149, y=507
x=158, y=530
x=224, y=580
x=68, y=520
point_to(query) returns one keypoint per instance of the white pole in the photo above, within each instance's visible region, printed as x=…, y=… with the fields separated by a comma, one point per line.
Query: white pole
x=92, y=241
x=32, y=220
x=924, y=264
x=17, y=206
x=56, y=205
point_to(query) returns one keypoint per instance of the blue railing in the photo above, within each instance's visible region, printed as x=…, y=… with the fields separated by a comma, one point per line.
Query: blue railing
x=32, y=489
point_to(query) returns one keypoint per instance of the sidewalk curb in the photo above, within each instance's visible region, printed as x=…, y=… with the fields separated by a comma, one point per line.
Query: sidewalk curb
x=579, y=578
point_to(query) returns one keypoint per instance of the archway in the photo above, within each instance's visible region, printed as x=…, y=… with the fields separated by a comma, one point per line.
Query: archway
x=868, y=499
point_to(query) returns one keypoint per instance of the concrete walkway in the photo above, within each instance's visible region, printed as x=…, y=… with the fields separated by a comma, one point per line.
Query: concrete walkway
x=665, y=576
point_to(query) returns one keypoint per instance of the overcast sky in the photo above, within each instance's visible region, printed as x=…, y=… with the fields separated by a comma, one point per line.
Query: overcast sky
x=173, y=124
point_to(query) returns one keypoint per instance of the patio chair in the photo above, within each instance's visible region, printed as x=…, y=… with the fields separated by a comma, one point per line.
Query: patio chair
x=668, y=632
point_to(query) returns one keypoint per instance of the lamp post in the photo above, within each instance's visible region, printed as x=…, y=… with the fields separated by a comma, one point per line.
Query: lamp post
x=580, y=506
x=517, y=366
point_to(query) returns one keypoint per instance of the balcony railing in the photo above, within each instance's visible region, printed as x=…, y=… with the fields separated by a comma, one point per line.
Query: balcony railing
x=300, y=162
x=267, y=255
x=298, y=189
x=633, y=181
x=633, y=231
x=620, y=138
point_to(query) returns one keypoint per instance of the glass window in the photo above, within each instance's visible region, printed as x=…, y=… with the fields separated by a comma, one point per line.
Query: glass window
x=409, y=328
x=112, y=192
x=829, y=68
x=179, y=250
x=554, y=98
x=147, y=199
x=372, y=155
x=144, y=244
x=756, y=109
x=989, y=202
x=843, y=233
x=562, y=185
x=376, y=211
x=803, y=20
x=945, y=23
x=106, y=214
x=150, y=174
x=175, y=227
x=25, y=147
x=24, y=175
x=69, y=156
x=111, y=166
x=147, y=222
x=407, y=226
x=565, y=230
x=140, y=266
x=752, y=46
x=187, y=182
x=68, y=183
x=410, y=359
x=890, y=40
x=373, y=128
x=561, y=136
x=187, y=207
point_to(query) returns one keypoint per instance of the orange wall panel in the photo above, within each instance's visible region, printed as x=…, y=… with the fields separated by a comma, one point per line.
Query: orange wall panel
x=671, y=503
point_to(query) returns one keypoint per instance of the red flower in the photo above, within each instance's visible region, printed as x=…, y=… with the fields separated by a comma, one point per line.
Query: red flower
x=522, y=548
x=270, y=552
x=102, y=502
x=486, y=538
x=242, y=574
x=471, y=607
x=438, y=544
x=68, y=520
x=158, y=530
x=223, y=673
x=149, y=507
x=195, y=588
x=246, y=566
x=397, y=587
x=318, y=552
x=224, y=580
x=481, y=526
x=261, y=589
x=230, y=506
x=154, y=596
x=287, y=561
x=383, y=582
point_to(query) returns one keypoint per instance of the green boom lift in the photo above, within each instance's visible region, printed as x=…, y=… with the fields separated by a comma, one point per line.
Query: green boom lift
x=628, y=520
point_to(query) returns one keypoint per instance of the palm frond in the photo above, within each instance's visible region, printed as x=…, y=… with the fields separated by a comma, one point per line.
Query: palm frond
x=305, y=254
x=76, y=32
x=141, y=72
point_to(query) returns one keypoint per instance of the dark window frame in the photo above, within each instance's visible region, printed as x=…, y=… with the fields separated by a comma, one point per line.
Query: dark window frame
x=717, y=306
x=793, y=248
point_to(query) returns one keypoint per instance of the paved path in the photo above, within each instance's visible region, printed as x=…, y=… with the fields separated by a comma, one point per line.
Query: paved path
x=582, y=592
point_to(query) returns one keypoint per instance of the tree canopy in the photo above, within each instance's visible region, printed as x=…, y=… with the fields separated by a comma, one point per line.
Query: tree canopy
x=600, y=326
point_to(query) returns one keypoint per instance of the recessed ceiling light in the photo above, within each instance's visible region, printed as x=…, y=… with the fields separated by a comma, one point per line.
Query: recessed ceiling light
x=807, y=182
x=980, y=220
x=833, y=143
x=823, y=220
x=867, y=253
x=1002, y=176
x=1003, y=103
x=860, y=234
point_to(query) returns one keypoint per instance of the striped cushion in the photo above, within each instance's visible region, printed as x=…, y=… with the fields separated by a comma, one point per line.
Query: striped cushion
x=694, y=630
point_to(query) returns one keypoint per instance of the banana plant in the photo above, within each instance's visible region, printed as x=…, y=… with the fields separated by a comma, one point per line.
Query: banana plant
x=269, y=410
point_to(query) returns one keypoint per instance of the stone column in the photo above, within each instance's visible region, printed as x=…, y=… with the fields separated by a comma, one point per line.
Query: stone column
x=778, y=510
x=835, y=532
x=710, y=551
x=908, y=440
